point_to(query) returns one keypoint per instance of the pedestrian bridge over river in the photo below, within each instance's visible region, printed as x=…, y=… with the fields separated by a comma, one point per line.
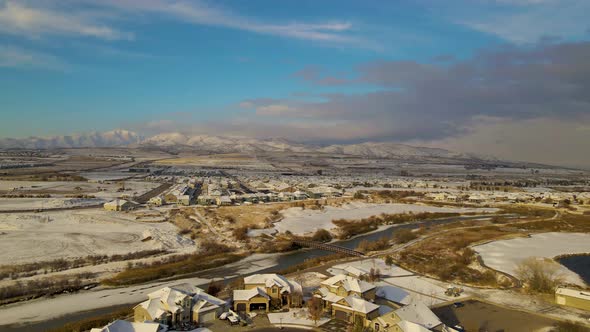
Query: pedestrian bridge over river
x=328, y=247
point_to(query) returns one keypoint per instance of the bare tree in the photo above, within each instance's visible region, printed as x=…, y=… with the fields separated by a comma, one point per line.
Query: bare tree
x=315, y=309
x=540, y=276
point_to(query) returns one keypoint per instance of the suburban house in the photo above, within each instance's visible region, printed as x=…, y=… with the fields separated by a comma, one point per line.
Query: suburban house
x=354, y=308
x=125, y=326
x=415, y=317
x=349, y=299
x=344, y=285
x=119, y=205
x=179, y=304
x=180, y=194
x=262, y=291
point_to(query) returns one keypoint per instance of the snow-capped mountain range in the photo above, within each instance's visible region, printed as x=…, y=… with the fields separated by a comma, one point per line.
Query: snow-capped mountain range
x=225, y=144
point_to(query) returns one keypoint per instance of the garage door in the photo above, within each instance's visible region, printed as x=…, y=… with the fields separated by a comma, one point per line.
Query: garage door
x=207, y=317
x=257, y=306
x=341, y=315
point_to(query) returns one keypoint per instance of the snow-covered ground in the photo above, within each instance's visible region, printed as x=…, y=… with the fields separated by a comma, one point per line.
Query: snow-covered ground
x=505, y=255
x=48, y=308
x=29, y=237
x=300, y=221
x=60, y=190
x=52, y=307
x=11, y=204
x=295, y=317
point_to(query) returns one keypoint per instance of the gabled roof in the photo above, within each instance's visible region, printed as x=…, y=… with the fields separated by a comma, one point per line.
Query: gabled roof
x=407, y=326
x=167, y=299
x=355, y=272
x=125, y=326
x=246, y=295
x=359, y=305
x=349, y=283
x=272, y=279
x=394, y=294
x=203, y=301
x=419, y=313
x=153, y=307
x=329, y=296
x=169, y=296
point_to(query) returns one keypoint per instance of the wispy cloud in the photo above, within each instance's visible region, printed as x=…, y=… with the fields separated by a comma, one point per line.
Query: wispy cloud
x=201, y=13
x=19, y=18
x=15, y=57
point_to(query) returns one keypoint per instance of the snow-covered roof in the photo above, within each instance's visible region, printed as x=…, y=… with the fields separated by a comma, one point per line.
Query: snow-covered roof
x=246, y=295
x=354, y=271
x=359, y=305
x=125, y=326
x=154, y=308
x=168, y=299
x=170, y=296
x=203, y=301
x=272, y=279
x=573, y=293
x=393, y=294
x=419, y=313
x=407, y=326
x=349, y=283
x=329, y=296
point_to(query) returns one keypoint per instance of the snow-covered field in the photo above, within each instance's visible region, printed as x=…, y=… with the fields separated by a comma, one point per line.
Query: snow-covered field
x=300, y=221
x=11, y=204
x=60, y=190
x=29, y=237
x=505, y=255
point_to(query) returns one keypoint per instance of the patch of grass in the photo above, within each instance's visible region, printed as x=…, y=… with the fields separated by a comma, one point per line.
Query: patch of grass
x=168, y=268
x=404, y=236
x=30, y=269
x=448, y=256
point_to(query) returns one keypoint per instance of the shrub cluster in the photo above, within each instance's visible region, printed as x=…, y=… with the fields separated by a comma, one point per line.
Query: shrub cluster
x=31, y=269
x=46, y=286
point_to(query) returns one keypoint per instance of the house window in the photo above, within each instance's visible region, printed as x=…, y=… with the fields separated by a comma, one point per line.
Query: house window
x=274, y=290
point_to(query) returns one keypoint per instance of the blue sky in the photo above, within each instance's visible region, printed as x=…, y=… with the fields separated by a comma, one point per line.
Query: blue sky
x=266, y=68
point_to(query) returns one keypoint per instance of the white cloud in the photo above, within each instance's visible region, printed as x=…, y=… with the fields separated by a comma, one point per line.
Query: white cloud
x=199, y=12
x=16, y=57
x=19, y=19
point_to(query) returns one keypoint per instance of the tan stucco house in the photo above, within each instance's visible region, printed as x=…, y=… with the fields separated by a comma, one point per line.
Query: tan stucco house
x=179, y=304
x=263, y=291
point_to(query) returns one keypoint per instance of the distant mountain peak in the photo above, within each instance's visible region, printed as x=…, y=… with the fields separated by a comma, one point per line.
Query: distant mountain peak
x=228, y=144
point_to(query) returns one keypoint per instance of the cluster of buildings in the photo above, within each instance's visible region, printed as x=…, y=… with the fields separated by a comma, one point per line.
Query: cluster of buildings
x=346, y=297
x=479, y=197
